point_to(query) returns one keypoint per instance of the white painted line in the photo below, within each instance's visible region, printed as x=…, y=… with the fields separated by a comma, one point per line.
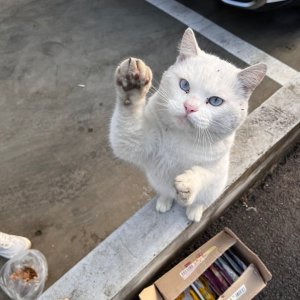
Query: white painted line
x=135, y=251
x=277, y=70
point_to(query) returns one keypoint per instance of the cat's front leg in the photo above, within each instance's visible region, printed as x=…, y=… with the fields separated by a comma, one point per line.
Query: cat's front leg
x=127, y=132
x=163, y=203
x=187, y=186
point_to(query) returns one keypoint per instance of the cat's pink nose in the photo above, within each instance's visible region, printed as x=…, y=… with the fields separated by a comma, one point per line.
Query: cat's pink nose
x=190, y=108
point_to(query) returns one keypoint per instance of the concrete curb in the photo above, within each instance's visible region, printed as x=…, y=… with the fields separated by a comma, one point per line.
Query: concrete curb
x=118, y=267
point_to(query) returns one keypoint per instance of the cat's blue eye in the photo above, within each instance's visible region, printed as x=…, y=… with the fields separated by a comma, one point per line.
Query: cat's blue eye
x=215, y=101
x=184, y=85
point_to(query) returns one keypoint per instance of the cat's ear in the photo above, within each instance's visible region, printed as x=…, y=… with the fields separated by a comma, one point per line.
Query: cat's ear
x=251, y=77
x=188, y=46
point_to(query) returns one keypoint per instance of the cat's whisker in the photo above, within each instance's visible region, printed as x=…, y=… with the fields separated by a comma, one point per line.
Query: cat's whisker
x=210, y=140
x=214, y=122
x=200, y=137
x=163, y=92
x=161, y=109
x=196, y=139
x=175, y=105
x=156, y=82
x=159, y=86
x=159, y=89
x=204, y=143
x=162, y=96
x=162, y=104
x=164, y=100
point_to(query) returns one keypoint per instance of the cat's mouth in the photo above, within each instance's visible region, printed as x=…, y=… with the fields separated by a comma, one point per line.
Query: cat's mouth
x=190, y=122
x=185, y=121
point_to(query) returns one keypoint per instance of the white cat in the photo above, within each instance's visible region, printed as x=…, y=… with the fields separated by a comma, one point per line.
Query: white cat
x=181, y=137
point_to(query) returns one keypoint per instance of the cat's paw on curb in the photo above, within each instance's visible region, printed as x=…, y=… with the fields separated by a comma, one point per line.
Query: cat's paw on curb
x=185, y=189
x=133, y=77
x=163, y=204
x=194, y=212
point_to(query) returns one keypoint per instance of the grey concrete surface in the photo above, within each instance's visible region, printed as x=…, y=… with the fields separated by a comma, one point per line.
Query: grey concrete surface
x=11, y=5
x=60, y=185
x=267, y=219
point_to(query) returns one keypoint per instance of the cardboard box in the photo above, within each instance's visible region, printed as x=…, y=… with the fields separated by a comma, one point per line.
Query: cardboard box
x=174, y=282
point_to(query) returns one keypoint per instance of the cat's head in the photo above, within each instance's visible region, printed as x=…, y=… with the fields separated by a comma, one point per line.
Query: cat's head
x=201, y=92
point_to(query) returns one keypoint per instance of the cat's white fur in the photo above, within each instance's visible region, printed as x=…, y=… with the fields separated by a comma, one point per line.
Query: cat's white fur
x=185, y=157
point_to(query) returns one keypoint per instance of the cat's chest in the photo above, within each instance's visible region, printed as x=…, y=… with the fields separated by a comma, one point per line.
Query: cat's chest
x=179, y=151
x=174, y=152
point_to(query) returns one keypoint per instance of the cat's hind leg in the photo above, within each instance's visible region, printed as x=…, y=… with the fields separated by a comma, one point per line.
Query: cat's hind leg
x=164, y=204
x=188, y=185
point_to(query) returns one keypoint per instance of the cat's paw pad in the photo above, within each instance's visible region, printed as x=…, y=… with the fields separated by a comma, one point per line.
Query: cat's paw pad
x=163, y=204
x=133, y=75
x=185, y=188
x=194, y=212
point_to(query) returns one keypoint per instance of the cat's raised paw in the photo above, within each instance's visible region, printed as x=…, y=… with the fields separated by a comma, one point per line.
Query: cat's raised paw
x=133, y=77
x=163, y=204
x=185, y=188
